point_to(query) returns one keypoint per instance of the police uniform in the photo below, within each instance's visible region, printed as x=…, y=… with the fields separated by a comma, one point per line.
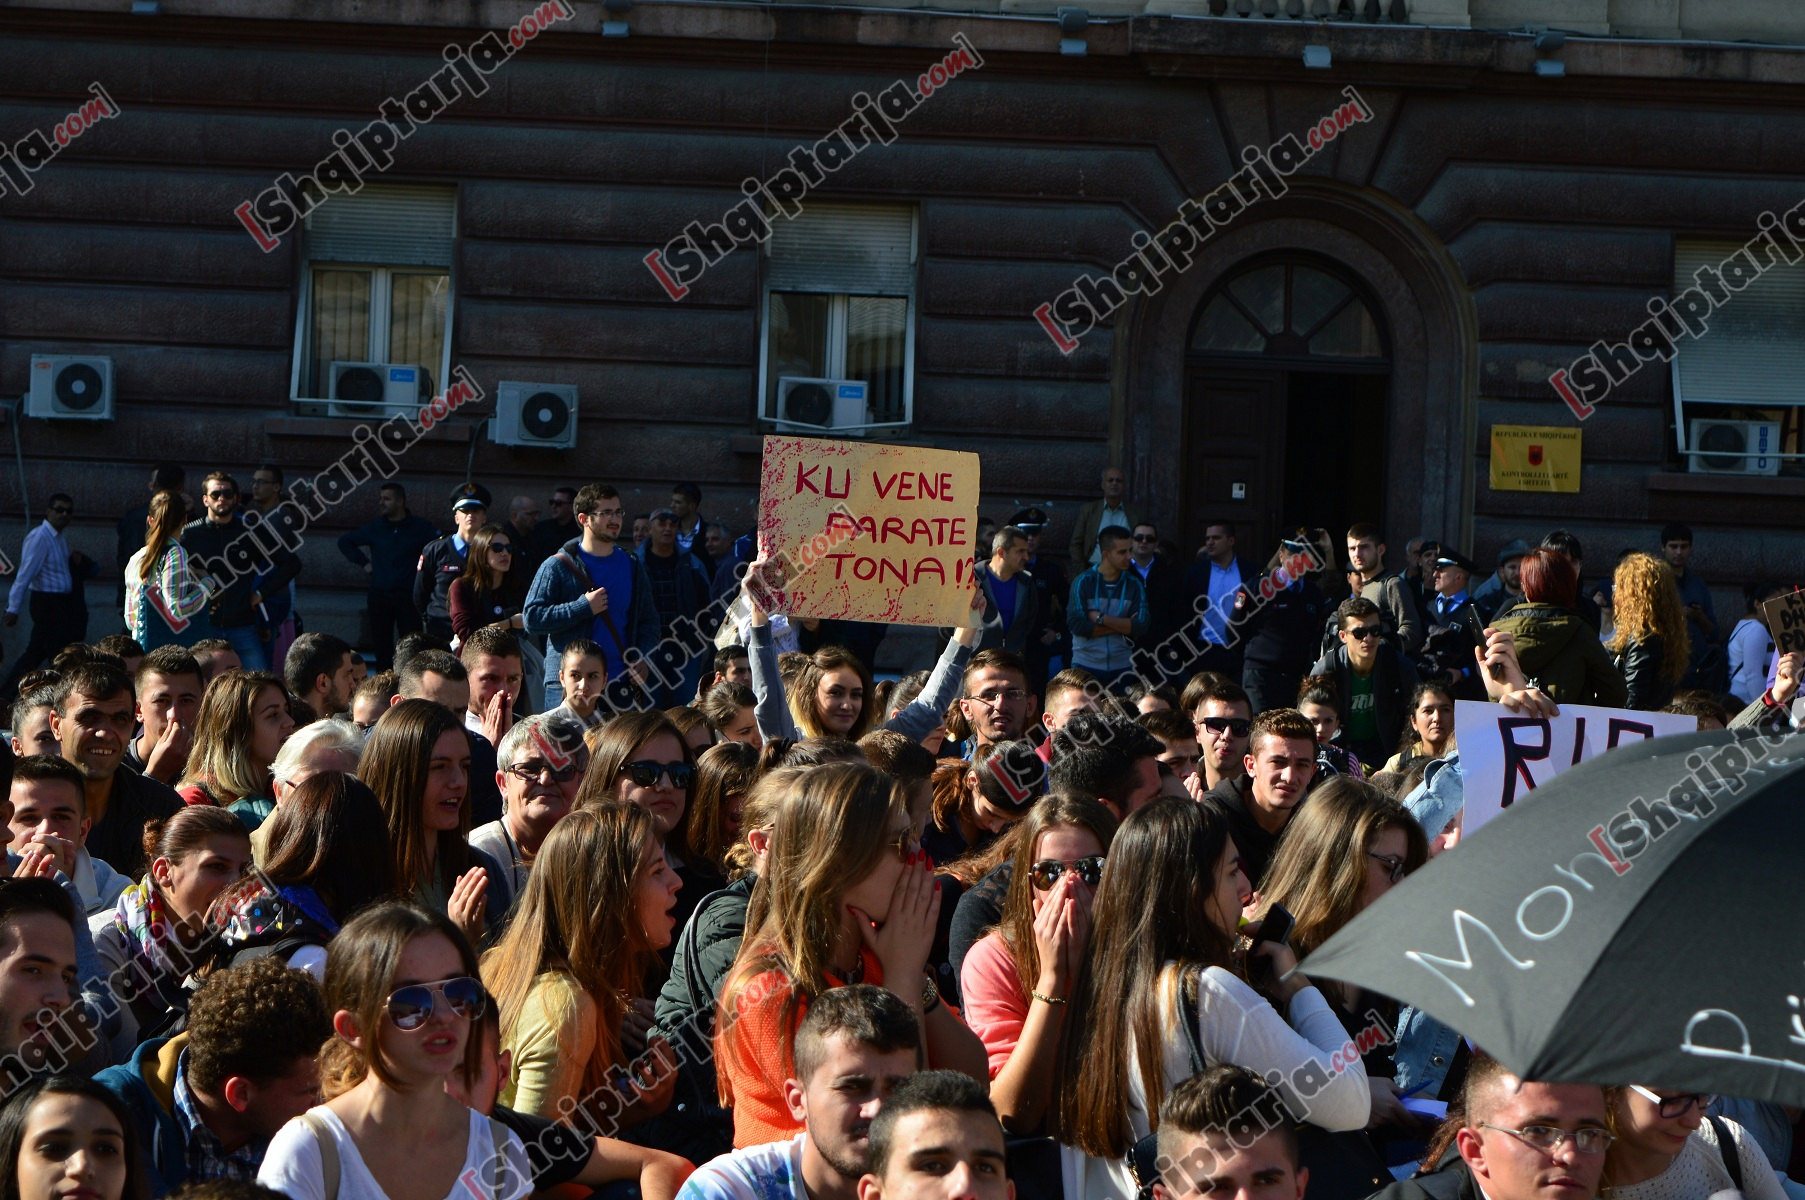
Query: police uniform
x=441, y=562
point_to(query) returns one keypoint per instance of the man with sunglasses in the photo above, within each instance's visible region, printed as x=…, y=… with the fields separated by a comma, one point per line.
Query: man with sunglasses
x=237, y=612
x=1162, y=580
x=45, y=575
x=536, y=793
x=1519, y=1140
x=1223, y=716
x=1373, y=680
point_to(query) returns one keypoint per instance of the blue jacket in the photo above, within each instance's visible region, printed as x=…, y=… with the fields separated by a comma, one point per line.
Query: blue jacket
x=146, y=1086
x=555, y=608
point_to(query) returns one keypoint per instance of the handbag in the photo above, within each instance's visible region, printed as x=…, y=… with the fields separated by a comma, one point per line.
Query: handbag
x=1143, y=1156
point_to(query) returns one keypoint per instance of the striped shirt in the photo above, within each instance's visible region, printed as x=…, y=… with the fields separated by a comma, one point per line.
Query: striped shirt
x=43, y=566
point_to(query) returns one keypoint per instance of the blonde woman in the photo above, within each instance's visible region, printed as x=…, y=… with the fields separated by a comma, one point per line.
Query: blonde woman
x=243, y=723
x=569, y=975
x=1650, y=645
x=165, y=598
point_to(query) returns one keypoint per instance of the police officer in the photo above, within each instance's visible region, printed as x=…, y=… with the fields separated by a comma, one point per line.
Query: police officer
x=443, y=560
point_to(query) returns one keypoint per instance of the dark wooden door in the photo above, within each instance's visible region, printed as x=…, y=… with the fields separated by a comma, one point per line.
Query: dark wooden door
x=1234, y=435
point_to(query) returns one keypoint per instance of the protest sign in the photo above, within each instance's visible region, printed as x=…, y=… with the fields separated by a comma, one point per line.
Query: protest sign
x=1503, y=755
x=869, y=532
x=1785, y=617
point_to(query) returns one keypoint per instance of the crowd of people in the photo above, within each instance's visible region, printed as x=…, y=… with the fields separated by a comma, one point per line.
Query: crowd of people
x=588, y=867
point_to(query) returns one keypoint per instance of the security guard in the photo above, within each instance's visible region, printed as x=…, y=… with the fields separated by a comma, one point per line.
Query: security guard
x=443, y=560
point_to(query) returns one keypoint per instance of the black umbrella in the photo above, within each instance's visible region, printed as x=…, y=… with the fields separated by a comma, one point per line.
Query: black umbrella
x=1638, y=919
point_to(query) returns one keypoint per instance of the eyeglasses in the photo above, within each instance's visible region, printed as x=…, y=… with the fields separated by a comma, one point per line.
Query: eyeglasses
x=1146, y=537
x=994, y=698
x=1366, y=631
x=412, y=1006
x=1394, y=866
x=532, y=772
x=907, y=844
x=1235, y=725
x=645, y=773
x=1045, y=873
x=1674, y=1106
x=1548, y=1138
x=223, y=495
x=501, y=549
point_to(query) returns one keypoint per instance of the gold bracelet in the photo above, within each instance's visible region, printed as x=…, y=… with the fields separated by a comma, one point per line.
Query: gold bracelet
x=1045, y=998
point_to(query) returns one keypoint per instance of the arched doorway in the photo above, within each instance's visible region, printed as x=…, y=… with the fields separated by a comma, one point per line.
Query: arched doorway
x=1287, y=374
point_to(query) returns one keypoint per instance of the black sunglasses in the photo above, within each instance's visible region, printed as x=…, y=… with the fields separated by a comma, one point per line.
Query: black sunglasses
x=1235, y=725
x=530, y=772
x=644, y=773
x=1045, y=873
x=1366, y=631
x=1146, y=537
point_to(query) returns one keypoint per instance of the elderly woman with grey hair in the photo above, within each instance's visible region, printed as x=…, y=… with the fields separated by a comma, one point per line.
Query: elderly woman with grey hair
x=539, y=766
x=330, y=745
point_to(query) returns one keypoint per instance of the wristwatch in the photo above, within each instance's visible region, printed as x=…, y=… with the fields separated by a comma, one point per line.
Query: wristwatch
x=930, y=993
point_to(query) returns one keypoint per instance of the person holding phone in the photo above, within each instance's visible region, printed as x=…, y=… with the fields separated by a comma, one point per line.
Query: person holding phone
x=1322, y=885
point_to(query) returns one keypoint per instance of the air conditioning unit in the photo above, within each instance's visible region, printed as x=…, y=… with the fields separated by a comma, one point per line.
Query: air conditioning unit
x=821, y=405
x=363, y=390
x=1734, y=447
x=70, y=387
x=535, y=414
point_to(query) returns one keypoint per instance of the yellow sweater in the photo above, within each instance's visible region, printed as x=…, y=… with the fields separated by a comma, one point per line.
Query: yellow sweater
x=554, y=1057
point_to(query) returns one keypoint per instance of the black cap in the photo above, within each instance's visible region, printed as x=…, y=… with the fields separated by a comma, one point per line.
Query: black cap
x=1030, y=519
x=469, y=495
x=1454, y=558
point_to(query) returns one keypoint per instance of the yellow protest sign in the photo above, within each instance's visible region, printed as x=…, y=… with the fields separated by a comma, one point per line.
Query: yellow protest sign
x=1535, y=458
x=869, y=532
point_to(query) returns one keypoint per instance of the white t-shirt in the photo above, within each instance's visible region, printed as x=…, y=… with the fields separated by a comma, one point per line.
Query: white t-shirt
x=293, y=1165
x=772, y=1171
x=1698, y=1170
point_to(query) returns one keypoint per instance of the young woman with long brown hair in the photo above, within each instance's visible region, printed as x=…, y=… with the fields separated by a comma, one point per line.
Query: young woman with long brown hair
x=160, y=585
x=417, y=761
x=570, y=972
x=847, y=896
x=244, y=720
x=483, y=593
x=402, y=987
x=1342, y=851
x=1163, y=935
x=833, y=695
x=1017, y=981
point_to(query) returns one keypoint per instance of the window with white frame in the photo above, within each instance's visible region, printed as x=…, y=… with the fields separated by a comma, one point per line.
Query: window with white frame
x=1739, y=389
x=376, y=288
x=839, y=305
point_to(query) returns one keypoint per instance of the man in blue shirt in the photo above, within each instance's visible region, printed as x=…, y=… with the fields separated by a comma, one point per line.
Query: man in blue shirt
x=593, y=588
x=45, y=576
x=395, y=540
x=1210, y=586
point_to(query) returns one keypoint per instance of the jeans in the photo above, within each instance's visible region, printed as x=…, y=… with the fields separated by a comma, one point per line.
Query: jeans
x=252, y=650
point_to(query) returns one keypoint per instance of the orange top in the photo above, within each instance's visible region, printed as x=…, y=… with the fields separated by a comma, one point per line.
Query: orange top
x=753, y=1054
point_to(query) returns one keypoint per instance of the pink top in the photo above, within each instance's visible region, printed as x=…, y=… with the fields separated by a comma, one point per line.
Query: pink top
x=995, y=1005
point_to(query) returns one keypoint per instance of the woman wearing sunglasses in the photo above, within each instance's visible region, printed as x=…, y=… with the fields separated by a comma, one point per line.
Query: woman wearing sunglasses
x=1342, y=851
x=1667, y=1147
x=1017, y=981
x=417, y=761
x=489, y=591
x=642, y=759
x=401, y=983
x=1149, y=974
x=847, y=896
x=570, y=973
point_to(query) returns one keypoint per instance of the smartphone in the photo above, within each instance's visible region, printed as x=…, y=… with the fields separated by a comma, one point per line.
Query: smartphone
x=1275, y=926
